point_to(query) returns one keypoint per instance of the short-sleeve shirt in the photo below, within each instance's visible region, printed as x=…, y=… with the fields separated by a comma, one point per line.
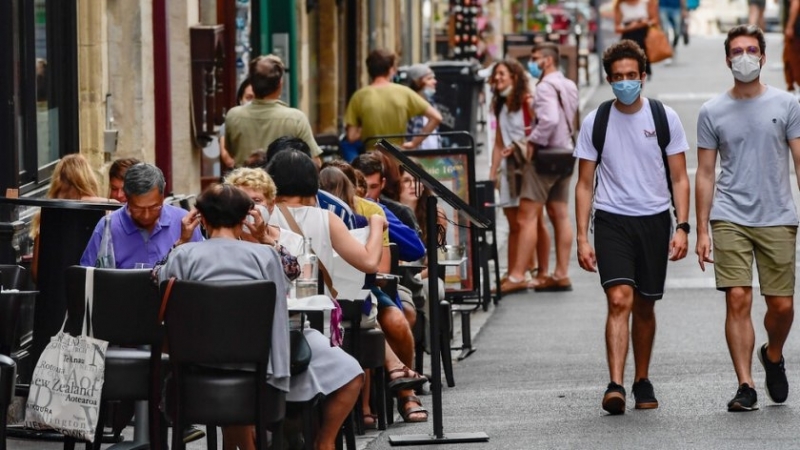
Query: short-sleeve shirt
x=631, y=178
x=134, y=245
x=384, y=110
x=367, y=209
x=254, y=126
x=754, y=185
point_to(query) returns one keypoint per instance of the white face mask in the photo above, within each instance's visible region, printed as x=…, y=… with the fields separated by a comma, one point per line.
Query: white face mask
x=507, y=91
x=264, y=216
x=746, y=67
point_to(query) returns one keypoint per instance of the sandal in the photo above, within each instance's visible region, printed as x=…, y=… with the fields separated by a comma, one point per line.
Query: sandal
x=370, y=421
x=406, y=413
x=409, y=379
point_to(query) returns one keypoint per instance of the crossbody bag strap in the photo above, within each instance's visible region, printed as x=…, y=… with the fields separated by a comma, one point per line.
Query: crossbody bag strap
x=326, y=276
x=564, y=110
x=164, y=300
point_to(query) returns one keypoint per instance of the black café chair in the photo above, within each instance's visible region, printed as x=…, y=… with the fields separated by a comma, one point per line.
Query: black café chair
x=212, y=323
x=8, y=377
x=125, y=313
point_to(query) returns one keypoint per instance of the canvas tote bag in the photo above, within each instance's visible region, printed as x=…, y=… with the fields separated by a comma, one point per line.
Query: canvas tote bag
x=68, y=380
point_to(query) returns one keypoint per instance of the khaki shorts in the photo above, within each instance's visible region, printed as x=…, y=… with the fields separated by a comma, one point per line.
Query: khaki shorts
x=774, y=250
x=560, y=191
x=536, y=187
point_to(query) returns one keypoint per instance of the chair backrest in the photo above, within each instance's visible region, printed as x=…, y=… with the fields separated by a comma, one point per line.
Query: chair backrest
x=484, y=193
x=220, y=322
x=10, y=306
x=13, y=276
x=125, y=307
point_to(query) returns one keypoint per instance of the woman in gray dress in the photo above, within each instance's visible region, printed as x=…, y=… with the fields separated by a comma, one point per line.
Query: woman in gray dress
x=222, y=210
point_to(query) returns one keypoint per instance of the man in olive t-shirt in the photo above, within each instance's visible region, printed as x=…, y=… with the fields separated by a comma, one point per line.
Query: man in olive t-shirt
x=254, y=126
x=384, y=108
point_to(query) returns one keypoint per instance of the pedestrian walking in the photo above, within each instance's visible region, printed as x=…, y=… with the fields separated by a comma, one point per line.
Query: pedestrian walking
x=555, y=105
x=253, y=126
x=673, y=14
x=626, y=148
x=791, y=48
x=633, y=19
x=753, y=128
x=384, y=107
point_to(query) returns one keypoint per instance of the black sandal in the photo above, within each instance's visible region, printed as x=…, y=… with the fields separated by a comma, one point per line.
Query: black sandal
x=410, y=380
x=406, y=413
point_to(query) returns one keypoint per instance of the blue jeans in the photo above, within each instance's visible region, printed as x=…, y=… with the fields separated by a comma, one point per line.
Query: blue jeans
x=671, y=18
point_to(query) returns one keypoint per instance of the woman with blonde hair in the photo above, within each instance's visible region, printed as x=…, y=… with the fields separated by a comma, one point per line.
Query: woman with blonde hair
x=73, y=179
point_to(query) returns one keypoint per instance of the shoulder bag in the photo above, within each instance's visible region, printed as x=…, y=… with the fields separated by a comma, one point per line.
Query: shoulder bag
x=556, y=160
x=297, y=351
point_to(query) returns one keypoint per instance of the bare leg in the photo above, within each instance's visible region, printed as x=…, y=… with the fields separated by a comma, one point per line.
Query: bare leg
x=513, y=235
x=620, y=304
x=778, y=322
x=527, y=217
x=739, y=331
x=336, y=409
x=398, y=333
x=756, y=16
x=542, y=253
x=562, y=228
x=643, y=333
x=239, y=437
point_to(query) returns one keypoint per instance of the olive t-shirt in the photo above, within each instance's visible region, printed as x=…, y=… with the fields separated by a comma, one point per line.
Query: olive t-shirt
x=384, y=110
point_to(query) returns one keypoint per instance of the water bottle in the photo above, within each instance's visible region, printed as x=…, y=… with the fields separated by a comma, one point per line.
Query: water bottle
x=306, y=283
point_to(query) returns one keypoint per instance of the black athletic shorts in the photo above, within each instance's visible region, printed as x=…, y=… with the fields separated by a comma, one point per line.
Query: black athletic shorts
x=633, y=250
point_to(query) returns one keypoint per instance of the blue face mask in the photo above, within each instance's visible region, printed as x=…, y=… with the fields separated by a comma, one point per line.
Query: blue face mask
x=429, y=92
x=627, y=91
x=534, y=69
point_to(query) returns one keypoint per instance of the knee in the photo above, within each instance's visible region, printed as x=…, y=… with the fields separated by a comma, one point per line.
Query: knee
x=783, y=307
x=620, y=299
x=739, y=300
x=410, y=314
x=392, y=320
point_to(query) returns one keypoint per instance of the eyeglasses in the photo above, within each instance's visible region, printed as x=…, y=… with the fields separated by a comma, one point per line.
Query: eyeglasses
x=751, y=50
x=141, y=209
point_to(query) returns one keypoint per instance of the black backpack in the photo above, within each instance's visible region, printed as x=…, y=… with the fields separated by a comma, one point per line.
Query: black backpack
x=662, y=134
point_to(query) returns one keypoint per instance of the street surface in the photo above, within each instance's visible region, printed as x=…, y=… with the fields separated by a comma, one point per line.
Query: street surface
x=538, y=376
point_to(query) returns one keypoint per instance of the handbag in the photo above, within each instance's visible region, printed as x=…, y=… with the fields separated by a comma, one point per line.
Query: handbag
x=67, y=382
x=656, y=45
x=299, y=350
x=516, y=162
x=337, y=332
x=556, y=160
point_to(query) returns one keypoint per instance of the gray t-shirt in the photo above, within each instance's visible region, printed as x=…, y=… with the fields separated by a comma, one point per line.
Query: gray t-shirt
x=753, y=187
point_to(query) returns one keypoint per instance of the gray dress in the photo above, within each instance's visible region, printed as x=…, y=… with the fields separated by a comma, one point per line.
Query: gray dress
x=228, y=259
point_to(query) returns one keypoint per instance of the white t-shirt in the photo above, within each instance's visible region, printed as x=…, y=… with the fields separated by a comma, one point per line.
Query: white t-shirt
x=631, y=179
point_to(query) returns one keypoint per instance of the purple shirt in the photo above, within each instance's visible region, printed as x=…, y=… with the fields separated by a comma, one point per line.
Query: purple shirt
x=131, y=243
x=551, y=128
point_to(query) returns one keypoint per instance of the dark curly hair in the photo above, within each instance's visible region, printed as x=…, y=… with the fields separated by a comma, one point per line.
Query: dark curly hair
x=519, y=88
x=624, y=49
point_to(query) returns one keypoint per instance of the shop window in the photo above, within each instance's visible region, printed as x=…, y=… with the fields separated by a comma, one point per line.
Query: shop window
x=44, y=91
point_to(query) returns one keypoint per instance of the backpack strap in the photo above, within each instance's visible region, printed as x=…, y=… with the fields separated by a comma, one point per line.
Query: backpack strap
x=600, y=126
x=663, y=135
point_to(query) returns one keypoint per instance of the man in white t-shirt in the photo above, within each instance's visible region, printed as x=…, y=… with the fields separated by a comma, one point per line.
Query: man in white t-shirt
x=632, y=225
x=754, y=128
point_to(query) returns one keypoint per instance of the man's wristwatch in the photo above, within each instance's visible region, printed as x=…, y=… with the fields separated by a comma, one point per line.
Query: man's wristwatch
x=684, y=226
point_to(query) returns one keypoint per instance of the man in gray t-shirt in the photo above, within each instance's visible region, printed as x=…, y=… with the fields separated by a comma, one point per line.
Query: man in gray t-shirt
x=753, y=128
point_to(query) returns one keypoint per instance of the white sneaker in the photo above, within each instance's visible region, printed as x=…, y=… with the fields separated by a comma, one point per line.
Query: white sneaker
x=668, y=62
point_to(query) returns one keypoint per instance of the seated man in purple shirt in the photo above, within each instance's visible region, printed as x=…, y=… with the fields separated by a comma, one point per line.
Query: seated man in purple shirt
x=145, y=229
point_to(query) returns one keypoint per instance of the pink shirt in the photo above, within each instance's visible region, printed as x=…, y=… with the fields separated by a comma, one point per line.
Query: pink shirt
x=551, y=129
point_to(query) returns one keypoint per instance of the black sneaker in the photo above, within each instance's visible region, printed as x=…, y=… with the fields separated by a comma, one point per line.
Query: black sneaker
x=614, y=399
x=746, y=399
x=192, y=433
x=777, y=385
x=644, y=395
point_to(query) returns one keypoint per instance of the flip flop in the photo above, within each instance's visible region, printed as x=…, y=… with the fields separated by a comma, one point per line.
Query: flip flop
x=411, y=380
